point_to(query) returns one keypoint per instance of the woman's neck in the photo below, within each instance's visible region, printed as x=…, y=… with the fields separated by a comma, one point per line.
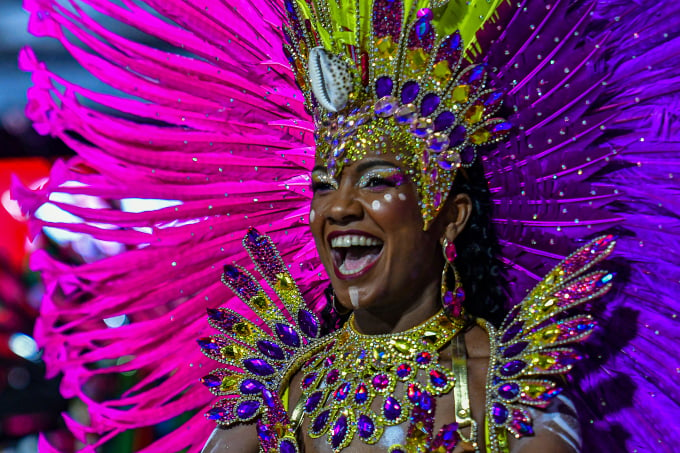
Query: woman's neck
x=400, y=315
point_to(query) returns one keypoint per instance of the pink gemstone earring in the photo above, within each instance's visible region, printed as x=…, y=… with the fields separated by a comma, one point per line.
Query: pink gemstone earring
x=452, y=300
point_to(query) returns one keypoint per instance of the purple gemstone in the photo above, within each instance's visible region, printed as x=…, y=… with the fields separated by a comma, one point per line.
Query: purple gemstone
x=444, y=121
x=339, y=431
x=438, y=378
x=253, y=236
x=251, y=387
x=475, y=75
x=312, y=402
x=268, y=398
x=499, y=413
x=467, y=155
x=328, y=361
x=287, y=446
x=383, y=87
x=271, y=350
x=414, y=393
x=308, y=323
x=450, y=49
x=426, y=402
x=341, y=392
x=365, y=426
x=247, y=409
x=381, y=381
x=207, y=343
x=231, y=271
x=404, y=370
x=457, y=135
x=211, y=381
x=429, y=104
x=287, y=335
x=493, y=99
x=216, y=413
x=512, y=351
x=522, y=427
x=361, y=394
x=423, y=358
x=512, y=368
x=265, y=433
x=308, y=380
x=332, y=376
x=512, y=331
x=508, y=391
x=259, y=367
x=320, y=421
x=409, y=92
x=215, y=314
x=501, y=127
x=392, y=408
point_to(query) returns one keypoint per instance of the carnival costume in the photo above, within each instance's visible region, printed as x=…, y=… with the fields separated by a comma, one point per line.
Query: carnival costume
x=588, y=145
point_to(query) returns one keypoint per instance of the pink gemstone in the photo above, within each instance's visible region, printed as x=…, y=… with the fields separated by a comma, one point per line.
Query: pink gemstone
x=450, y=252
x=332, y=376
x=380, y=382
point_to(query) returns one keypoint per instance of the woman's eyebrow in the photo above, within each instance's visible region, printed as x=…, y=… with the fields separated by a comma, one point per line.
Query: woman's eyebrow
x=363, y=166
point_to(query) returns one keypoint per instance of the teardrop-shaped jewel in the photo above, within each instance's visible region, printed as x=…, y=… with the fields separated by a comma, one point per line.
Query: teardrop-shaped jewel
x=385, y=107
x=405, y=114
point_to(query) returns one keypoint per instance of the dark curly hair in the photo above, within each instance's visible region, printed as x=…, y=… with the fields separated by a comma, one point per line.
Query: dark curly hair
x=478, y=265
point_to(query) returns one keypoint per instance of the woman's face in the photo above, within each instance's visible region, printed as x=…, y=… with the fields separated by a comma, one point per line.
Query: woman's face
x=369, y=233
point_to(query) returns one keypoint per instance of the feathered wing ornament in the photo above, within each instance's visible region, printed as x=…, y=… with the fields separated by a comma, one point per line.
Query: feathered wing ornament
x=211, y=119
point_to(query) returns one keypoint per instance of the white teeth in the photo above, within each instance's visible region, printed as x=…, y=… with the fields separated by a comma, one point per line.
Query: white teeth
x=353, y=240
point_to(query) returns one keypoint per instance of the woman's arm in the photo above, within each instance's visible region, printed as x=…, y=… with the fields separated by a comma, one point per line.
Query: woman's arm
x=240, y=438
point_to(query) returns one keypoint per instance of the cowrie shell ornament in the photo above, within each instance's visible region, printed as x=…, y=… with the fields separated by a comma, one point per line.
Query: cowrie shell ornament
x=330, y=78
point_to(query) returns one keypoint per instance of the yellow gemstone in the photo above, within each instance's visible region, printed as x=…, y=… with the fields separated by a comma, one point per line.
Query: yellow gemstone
x=280, y=429
x=461, y=93
x=474, y=114
x=550, y=334
x=430, y=337
x=379, y=354
x=441, y=72
x=260, y=302
x=386, y=48
x=242, y=329
x=479, y=137
x=402, y=346
x=229, y=383
x=533, y=390
x=543, y=362
x=284, y=281
x=417, y=59
x=233, y=352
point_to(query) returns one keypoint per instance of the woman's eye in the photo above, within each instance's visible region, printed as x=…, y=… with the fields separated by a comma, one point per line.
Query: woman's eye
x=377, y=181
x=321, y=186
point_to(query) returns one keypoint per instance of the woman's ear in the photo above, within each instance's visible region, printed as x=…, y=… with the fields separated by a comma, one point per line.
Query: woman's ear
x=460, y=213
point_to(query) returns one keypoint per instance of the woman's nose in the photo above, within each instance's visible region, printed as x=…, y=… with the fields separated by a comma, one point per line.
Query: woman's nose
x=344, y=207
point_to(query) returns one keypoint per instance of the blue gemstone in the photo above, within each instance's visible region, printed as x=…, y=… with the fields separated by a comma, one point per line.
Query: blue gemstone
x=512, y=351
x=265, y=433
x=508, y=391
x=438, y=378
x=392, y=408
x=365, y=426
x=457, y=135
x=409, y=92
x=231, y=271
x=341, y=392
x=313, y=401
x=512, y=331
x=361, y=394
x=251, y=387
x=268, y=398
x=216, y=413
x=207, y=343
x=271, y=350
x=287, y=446
x=287, y=335
x=247, y=409
x=467, y=155
x=383, y=87
x=423, y=26
x=429, y=104
x=499, y=413
x=259, y=367
x=339, y=432
x=253, y=236
x=475, y=75
x=215, y=314
x=512, y=368
x=444, y=121
x=425, y=401
x=320, y=421
x=309, y=380
x=308, y=324
x=211, y=381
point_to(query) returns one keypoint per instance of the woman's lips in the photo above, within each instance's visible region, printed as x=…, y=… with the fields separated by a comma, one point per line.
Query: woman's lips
x=354, y=253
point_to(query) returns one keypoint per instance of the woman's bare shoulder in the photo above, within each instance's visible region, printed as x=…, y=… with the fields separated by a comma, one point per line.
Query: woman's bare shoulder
x=241, y=438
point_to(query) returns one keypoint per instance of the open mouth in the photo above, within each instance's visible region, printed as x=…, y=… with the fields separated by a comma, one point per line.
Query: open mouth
x=354, y=254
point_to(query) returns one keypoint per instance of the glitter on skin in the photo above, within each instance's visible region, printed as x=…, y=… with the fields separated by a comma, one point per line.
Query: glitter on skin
x=388, y=197
x=402, y=197
x=354, y=297
x=375, y=205
x=312, y=216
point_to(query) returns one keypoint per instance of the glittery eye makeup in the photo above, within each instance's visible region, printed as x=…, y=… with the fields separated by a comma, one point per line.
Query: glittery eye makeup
x=381, y=177
x=323, y=181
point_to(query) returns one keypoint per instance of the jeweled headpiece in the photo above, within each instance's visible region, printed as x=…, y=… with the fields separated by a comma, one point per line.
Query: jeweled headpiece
x=392, y=73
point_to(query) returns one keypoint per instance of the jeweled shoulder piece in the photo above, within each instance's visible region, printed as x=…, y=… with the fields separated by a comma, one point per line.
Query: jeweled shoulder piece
x=258, y=354
x=533, y=341
x=390, y=74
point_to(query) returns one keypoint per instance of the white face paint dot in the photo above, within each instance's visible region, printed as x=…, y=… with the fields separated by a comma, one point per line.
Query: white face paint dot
x=402, y=196
x=388, y=197
x=375, y=205
x=312, y=216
